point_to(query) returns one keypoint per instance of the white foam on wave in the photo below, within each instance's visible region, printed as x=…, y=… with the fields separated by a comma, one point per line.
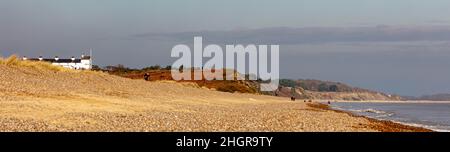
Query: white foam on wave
x=434, y=128
x=370, y=110
x=431, y=127
x=384, y=116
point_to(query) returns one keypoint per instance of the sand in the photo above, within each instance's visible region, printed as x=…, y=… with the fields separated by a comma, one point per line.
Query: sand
x=46, y=100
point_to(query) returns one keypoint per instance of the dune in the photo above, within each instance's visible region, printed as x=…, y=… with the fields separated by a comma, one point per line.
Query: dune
x=37, y=96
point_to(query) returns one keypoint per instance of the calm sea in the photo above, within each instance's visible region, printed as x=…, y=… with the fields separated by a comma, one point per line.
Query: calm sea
x=434, y=116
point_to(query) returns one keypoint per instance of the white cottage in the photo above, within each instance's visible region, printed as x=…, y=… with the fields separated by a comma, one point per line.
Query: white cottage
x=83, y=63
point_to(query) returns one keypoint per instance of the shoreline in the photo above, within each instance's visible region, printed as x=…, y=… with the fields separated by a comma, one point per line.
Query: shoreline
x=69, y=102
x=380, y=125
x=383, y=101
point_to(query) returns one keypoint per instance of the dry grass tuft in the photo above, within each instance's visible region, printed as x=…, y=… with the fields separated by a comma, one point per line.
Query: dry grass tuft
x=14, y=61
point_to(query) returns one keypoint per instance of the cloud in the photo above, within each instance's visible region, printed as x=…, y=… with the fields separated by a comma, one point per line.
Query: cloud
x=311, y=35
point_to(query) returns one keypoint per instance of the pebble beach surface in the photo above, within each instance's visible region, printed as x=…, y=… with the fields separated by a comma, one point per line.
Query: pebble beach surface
x=46, y=100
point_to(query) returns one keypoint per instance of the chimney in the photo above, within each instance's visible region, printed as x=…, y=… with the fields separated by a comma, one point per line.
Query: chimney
x=56, y=58
x=24, y=58
x=40, y=58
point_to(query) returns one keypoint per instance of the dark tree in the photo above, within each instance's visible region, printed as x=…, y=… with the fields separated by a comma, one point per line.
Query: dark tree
x=96, y=68
x=323, y=87
x=168, y=67
x=334, y=88
x=154, y=67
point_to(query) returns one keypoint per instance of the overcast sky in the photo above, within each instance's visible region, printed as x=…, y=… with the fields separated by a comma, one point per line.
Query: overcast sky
x=395, y=46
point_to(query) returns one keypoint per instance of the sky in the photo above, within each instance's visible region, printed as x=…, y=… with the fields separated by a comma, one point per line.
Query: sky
x=399, y=47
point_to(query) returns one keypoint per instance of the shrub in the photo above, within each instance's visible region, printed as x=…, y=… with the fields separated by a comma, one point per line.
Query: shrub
x=154, y=67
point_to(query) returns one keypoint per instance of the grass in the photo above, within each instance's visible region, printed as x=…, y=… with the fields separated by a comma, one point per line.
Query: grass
x=14, y=61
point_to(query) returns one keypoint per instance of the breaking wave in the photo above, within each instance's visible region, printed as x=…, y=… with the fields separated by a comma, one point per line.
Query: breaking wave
x=391, y=116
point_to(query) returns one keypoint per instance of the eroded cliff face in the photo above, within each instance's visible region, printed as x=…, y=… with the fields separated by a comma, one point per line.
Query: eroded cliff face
x=301, y=93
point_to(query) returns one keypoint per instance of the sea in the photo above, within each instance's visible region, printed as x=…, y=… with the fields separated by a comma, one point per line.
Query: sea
x=434, y=116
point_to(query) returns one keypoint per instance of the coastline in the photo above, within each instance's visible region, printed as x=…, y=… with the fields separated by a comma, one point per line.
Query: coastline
x=66, y=101
x=380, y=125
x=384, y=101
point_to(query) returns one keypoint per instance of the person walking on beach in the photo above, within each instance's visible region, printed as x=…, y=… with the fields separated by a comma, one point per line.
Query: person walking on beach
x=146, y=76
